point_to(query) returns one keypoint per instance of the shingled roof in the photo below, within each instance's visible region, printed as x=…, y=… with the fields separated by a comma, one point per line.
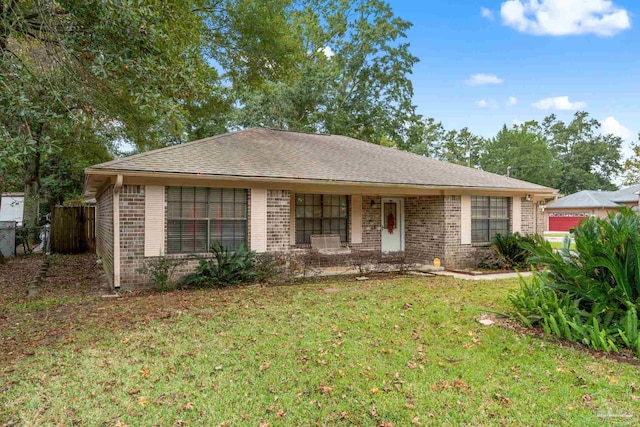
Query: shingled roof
x=597, y=199
x=275, y=154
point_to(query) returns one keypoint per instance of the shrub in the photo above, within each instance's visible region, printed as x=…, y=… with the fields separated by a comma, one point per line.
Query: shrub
x=590, y=294
x=269, y=266
x=224, y=268
x=514, y=250
x=160, y=269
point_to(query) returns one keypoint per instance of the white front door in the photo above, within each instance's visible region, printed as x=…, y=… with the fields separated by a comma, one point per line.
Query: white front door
x=392, y=224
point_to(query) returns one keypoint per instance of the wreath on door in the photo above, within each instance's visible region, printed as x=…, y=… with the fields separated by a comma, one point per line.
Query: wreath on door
x=391, y=223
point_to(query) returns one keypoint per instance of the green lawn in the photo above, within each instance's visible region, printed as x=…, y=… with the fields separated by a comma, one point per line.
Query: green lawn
x=558, y=245
x=551, y=234
x=398, y=352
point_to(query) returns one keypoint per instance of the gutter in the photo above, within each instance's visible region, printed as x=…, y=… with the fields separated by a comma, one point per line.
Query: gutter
x=116, y=231
x=551, y=192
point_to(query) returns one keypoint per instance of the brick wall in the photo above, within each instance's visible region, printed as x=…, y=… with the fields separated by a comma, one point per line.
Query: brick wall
x=131, y=235
x=104, y=231
x=278, y=220
x=458, y=255
x=424, y=228
x=540, y=220
x=528, y=217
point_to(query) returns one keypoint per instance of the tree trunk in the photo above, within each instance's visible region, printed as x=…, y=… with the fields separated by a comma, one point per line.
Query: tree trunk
x=32, y=196
x=2, y=257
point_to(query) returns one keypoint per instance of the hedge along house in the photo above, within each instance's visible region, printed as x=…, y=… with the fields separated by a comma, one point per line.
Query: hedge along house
x=272, y=190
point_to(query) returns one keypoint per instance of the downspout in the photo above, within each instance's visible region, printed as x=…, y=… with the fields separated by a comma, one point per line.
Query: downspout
x=116, y=231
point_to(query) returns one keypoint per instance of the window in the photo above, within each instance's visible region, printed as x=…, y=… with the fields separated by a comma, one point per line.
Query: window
x=489, y=216
x=321, y=214
x=199, y=217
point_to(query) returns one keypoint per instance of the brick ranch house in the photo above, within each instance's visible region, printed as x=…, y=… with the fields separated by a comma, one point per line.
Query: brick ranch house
x=272, y=189
x=567, y=212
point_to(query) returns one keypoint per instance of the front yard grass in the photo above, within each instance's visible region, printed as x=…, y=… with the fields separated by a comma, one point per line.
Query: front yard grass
x=392, y=352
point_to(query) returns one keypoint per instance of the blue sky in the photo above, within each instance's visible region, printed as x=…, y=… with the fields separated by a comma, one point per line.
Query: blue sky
x=529, y=55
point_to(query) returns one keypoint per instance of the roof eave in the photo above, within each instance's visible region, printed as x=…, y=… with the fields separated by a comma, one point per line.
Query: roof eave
x=113, y=172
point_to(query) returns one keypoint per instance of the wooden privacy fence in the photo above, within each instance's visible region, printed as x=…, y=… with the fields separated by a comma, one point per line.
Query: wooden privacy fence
x=73, y=229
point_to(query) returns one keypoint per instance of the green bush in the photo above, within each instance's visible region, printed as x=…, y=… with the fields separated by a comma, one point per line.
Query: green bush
x=514, y=250
x=590, y=294
x=160, y=269
x=224, y=268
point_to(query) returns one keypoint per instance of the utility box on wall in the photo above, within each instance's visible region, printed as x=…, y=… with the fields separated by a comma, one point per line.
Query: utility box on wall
x=8, y=238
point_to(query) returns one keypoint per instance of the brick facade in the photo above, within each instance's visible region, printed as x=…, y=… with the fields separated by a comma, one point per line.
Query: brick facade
x=432, y=230
x=456, y=254
x=278, y=220
x=528, y=217
x=131, y=235
x=424, y=228
x=540, y=220
x=104, y=231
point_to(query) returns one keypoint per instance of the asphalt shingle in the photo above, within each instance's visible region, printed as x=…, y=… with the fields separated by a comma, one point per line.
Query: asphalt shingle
x=269, y=153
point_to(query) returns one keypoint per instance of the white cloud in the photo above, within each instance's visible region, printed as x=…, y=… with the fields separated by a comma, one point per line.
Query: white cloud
x=512, y=100
x=558, y=103
x=483, y=79
x=482, y=103
x=612, y=126
x=486, y=13
x=565, y=17
x=328, y=52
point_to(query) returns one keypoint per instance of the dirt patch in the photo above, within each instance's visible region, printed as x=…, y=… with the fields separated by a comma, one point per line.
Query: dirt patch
x=71, y=284
x=15, y=276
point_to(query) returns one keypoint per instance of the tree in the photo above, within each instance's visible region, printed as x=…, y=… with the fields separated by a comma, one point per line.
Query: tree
x=522, y=153
x=632, y=166
x=424, y=137
x=460, y=147
x=352, y=78
x=587, y=159
x=144, y=70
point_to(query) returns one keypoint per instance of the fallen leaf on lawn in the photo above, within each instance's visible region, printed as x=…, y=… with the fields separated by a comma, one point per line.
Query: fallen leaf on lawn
x=324, y=389
x=134, y=391
x=375, y=390
x=226, y=423
x=415, y=421
x=142, y=401
x=121, y=424
x=188, y=406
x=145, y=372
x=263, y=366
x=280, y=413
x=265, y=425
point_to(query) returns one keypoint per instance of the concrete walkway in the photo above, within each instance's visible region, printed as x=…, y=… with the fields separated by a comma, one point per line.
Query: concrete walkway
x=493, y=276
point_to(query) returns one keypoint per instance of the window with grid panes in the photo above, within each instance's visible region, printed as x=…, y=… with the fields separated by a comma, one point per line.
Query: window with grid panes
x=489, y=216
x=321, y=214
x=198, y=217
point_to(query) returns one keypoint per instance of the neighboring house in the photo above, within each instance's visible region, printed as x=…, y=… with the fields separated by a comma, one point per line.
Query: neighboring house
x=567, y=212
x=12, y=207
x=272, y=190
